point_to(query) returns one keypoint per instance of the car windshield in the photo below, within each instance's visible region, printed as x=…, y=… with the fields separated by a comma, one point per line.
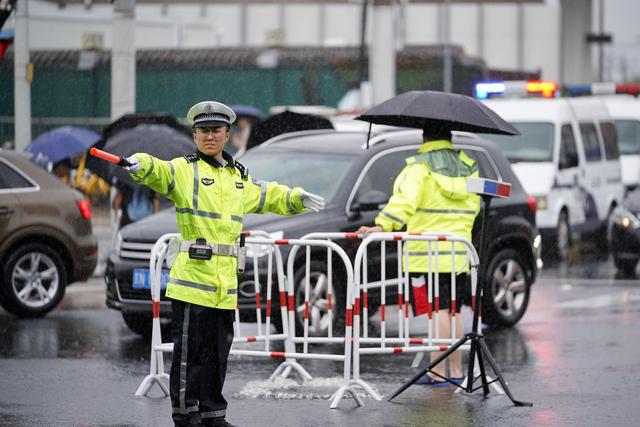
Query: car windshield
x=319, y=173
x=628, y=136
x=534, y=144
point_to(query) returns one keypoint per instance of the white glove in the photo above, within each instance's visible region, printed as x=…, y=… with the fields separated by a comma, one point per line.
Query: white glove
x=311, y=201
x=135, y=164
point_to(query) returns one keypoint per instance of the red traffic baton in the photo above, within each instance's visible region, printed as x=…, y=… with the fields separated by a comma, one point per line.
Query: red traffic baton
x=120, y=161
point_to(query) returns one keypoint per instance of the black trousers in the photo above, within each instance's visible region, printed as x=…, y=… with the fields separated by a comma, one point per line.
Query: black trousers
x=202, y=338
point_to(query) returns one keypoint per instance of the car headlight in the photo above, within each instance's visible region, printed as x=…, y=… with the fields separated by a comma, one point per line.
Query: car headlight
x=117, y=245
x=259, y=251
x=541, y=203
x=625, y=218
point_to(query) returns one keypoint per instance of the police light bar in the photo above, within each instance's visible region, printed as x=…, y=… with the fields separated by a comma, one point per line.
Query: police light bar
x=489, y=187
x=547, y=89
x=603, y=88
x=515, y=89
x=483, y=90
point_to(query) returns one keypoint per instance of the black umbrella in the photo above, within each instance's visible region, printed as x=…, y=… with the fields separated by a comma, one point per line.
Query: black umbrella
x=438, y=113
x=284, y=122
x=160, y=141
x=158, y=134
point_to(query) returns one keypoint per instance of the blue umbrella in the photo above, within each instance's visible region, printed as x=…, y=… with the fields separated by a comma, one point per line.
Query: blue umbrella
x=61, y=143
x=247, y=111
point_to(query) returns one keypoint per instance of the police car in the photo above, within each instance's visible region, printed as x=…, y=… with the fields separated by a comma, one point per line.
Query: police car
x=355, y=182
x=567, y=157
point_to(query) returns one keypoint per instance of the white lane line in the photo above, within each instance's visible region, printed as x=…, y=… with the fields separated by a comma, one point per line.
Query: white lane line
x=600, y=301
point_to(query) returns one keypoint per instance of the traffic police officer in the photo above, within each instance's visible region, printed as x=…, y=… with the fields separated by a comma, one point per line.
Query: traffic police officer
x=212, y=192
x=430, y=194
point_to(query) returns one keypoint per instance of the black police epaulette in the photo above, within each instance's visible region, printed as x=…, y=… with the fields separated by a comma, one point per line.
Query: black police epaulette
x=190, y=158
x=244, y=172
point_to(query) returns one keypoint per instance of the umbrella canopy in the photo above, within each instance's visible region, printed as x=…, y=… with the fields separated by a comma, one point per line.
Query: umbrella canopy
x=247, y=111
x=284, y=122
x=61, y=143
x=158, y=140
x=131, y=121
x=438, y=113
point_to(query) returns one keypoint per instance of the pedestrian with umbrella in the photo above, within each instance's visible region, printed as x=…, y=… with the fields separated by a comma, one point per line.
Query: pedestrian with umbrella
x=430, y=194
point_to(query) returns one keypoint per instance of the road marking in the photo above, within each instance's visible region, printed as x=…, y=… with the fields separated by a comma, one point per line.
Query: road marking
x=600, y=301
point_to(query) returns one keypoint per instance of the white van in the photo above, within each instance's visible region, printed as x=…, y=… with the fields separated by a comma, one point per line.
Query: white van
x=567, y=158
x=625, y=112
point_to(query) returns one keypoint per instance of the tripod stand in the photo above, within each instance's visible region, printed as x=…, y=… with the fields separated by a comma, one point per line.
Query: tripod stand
x=478, y=348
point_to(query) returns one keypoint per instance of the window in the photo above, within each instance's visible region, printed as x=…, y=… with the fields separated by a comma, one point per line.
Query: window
x=568, y=157
x=534, y=144
x=485, y=168
x=10, y=178
x=610, y=140
x=628, y=132
x=590, y=141
x=383, y=172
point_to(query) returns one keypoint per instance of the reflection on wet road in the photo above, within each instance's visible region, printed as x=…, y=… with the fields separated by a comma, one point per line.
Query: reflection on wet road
x=574, y=354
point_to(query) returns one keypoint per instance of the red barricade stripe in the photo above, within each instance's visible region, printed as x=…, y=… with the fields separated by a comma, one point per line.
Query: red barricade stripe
x=382, y=311
x=365, y=299
x=453, y=308
x=329, y=301
x=281, y=241
x=442, y=238
x=351, y=235
x=436, y=304
x=348, y=320
x=251, y=339
x=291, y=301
x=415, y=340
x=443, y=348
x=400, y=300
x=246, y=233
x=415, y=233
x=268, y=308
x=473, y=303
x=258, y=301
x=155, y=308
x=356, y=307
x=277, y=354
x=397, y=349
x=283, y=299
x=306, y=309
x=406, y=310
x=429, y=310
x=397, y=237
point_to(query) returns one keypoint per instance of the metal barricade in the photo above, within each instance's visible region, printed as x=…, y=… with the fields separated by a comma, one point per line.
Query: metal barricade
x=403, y=342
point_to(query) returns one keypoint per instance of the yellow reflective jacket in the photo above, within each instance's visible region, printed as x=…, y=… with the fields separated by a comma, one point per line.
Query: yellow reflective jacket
x=211, y=201
x=430, y=195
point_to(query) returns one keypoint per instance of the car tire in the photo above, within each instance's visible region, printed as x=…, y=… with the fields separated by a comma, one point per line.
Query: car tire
x=34, y=280
x=318, y=304
x=506, y=291
x=626, y=267
x=563, y=237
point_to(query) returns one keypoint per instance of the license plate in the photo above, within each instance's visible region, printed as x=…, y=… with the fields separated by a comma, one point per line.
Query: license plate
x=141, y=278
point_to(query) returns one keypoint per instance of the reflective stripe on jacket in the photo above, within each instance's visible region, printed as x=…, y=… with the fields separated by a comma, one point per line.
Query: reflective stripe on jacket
x=211, y=202
x=430, y=195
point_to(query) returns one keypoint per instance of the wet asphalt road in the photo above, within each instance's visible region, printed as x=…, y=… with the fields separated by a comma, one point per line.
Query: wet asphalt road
x=574, y=355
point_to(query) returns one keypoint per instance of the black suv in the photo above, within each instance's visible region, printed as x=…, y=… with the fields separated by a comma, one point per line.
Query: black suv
x=355, y=182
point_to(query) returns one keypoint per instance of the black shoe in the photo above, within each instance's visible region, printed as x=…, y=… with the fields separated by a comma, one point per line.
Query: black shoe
x=217, y=422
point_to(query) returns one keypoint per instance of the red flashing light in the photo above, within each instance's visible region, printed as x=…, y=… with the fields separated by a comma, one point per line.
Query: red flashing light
x=85, y=208
x=533, y=205
x=547, y=89
x=630, y=88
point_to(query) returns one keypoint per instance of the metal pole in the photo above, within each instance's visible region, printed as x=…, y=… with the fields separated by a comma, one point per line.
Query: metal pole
x=23, y=73
x=601, y=44
x=362, y=66
x=123, y=59
x=446, y=40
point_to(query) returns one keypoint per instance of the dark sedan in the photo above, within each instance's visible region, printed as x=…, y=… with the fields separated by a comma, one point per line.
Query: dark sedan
x=355, y=182
x=624, y=232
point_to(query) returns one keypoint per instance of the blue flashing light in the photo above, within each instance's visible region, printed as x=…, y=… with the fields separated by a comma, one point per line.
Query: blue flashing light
x=483, y=90
x=579, y=89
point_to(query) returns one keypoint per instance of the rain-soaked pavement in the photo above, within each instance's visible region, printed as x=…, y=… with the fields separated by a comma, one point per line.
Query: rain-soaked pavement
x=574, y=355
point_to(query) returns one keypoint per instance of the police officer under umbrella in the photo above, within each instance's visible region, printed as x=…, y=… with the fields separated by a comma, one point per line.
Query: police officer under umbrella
x=430, y=194
x=212, y=192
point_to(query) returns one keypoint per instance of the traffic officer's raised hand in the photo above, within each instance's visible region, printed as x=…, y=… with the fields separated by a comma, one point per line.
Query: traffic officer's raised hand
x=311, y=201
x=133, y=166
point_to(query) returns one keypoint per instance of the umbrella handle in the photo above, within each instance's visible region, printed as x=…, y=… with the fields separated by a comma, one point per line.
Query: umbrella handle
x=120, y=161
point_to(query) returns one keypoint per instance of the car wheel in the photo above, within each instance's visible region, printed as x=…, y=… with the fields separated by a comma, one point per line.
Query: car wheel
x=33, y=280
x=507, y=288
x=318, y=301
x=563, y=238
x=626, y=267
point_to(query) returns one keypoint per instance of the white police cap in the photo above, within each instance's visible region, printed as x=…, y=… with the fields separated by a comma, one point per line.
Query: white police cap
x=210, y=113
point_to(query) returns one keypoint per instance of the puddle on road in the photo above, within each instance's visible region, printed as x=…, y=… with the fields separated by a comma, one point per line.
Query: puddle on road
x=289, y=389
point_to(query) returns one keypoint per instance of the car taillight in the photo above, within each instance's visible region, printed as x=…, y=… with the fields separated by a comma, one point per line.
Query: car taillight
x=533, y=204
x=85, y=208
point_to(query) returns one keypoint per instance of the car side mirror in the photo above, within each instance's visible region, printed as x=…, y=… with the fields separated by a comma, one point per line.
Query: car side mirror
x=372, y=200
